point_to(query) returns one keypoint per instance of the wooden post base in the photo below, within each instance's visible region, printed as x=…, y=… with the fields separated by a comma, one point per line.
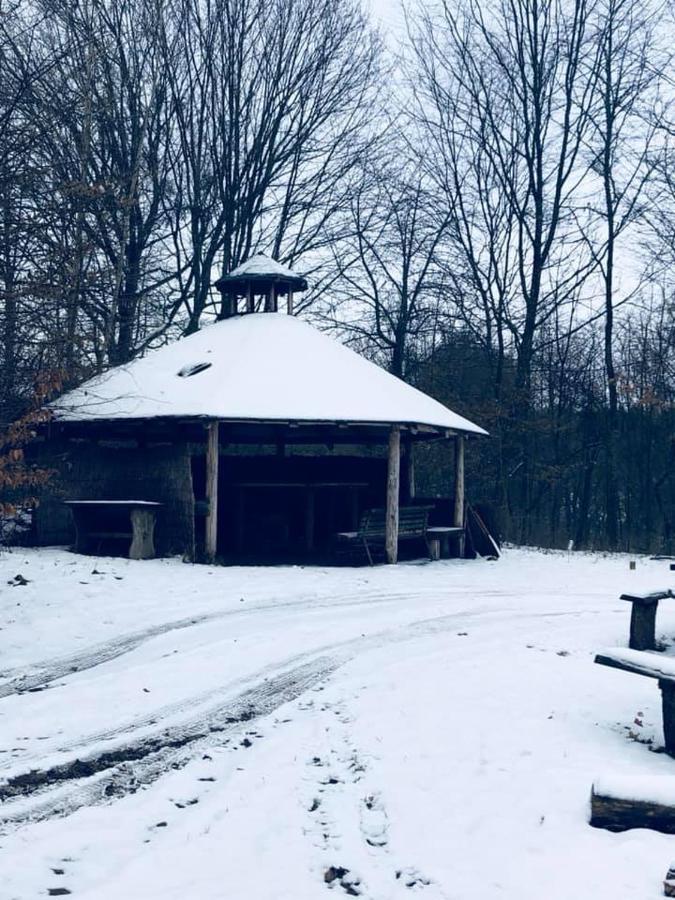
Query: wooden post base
x=142, y=543
x=643, y=626
x=668, y=707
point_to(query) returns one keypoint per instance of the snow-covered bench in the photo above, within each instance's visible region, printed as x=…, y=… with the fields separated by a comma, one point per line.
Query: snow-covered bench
x=643, y=618
x=651, y=665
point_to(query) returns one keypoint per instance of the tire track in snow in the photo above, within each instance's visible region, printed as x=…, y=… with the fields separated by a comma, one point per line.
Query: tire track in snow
x=120, y=766
x=37, y=677
x=111, y=774
x=112, y=771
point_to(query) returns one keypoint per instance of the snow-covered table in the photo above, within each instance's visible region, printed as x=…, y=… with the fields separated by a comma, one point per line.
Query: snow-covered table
x=643, y=618
x=115, y=520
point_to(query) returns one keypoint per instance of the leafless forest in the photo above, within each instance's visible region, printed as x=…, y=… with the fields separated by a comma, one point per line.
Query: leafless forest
x=486, y=207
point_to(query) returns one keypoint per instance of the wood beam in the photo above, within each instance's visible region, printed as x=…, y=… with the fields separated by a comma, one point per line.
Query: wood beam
x=458, y=518
x=393, y=489
x=408, y=484
x=212, y=447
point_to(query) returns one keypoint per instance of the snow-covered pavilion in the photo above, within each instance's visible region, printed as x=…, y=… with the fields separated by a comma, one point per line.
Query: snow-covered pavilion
x=257, y=433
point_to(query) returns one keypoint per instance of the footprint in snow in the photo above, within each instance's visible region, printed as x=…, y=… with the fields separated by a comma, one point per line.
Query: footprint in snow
x=374, y=821
x=339, y=875
x=412, y=878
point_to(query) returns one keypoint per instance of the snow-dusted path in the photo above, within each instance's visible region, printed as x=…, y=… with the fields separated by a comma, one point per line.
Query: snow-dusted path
x=227, y=733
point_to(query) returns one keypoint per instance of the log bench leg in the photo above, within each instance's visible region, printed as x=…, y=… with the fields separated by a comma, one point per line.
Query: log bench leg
x=434, y=548
x=142, y=544
x=643, y=626
x=668, y=705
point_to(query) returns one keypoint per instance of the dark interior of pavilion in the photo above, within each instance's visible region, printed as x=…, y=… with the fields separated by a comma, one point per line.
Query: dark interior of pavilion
x=277, y=508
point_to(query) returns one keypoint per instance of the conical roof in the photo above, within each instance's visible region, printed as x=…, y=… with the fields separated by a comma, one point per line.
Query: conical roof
x=260, y=367
x=258, y=269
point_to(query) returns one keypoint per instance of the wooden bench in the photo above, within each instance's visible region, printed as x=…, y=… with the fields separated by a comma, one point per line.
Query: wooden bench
x=97, y=521
x=412, y=525
x=643, y=618
x=651, y=665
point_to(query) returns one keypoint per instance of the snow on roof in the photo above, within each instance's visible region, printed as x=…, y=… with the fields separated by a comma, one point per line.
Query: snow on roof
x=261, y=265
x=261, y=366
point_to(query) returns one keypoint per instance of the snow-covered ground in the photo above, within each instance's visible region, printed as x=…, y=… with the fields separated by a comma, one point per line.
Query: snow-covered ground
x=172, y=731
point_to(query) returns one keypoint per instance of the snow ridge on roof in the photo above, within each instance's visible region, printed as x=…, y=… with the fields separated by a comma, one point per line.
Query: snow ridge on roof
x=263, y=366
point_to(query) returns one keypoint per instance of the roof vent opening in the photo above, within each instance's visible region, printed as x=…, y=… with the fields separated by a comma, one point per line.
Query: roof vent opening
x=194, y=369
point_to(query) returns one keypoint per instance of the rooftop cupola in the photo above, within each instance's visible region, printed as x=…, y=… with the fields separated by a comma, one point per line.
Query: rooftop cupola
x=256, y=286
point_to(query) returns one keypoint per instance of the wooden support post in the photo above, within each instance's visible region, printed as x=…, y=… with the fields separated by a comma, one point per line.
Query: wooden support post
x=310, y=509
x=643, y=626
x=354, y=508
x=668, y=707
x=459, y=489
x=290, y=301
x=212, y=447
x=393, y=487
x=143, y=525
x=241, y=520
x=408, y=481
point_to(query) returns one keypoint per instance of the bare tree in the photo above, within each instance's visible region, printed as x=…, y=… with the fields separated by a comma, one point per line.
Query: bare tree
x=108, y=156
x=627, y=79
x=503, y=103
x=386, y=296
x=271, y=104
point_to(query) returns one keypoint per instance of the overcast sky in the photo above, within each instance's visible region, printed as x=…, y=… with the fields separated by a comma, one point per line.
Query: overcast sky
x=387, y=14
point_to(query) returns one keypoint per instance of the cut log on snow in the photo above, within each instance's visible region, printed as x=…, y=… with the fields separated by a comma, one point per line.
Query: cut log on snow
x=623, y=803
x=669, y=883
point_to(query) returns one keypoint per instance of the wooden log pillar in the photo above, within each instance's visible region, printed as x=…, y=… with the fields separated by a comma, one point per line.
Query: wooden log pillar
x=290, y=302
x=212, y=447
x=393, y=488
x=310, y=510
x=458, y=517
x=408, y=480
x=143, y=525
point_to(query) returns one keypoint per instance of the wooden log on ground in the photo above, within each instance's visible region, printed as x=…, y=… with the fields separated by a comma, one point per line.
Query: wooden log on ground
x=623, y=813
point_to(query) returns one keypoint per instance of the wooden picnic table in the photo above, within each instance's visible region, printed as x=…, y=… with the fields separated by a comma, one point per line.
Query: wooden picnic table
x=97, y=521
